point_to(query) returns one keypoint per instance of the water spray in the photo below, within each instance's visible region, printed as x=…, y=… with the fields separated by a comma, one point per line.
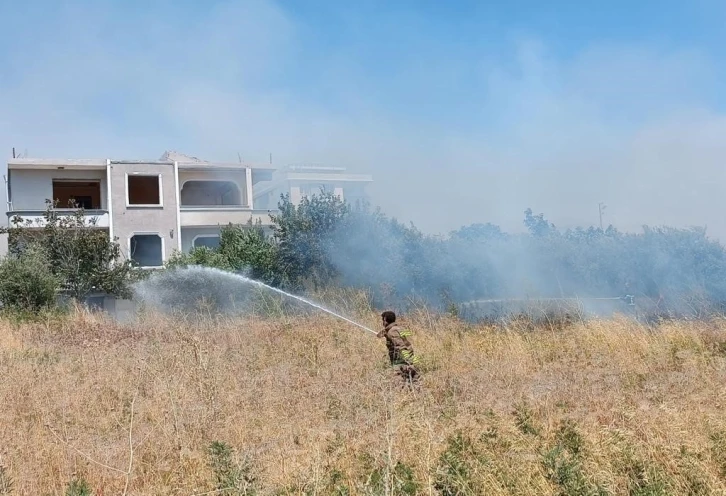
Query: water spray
x=152, y=294
x=300, y=298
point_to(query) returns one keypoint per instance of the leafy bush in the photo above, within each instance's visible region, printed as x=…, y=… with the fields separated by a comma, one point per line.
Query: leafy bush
x=27, y=282
x=241, y=249
x=83, y=259
x=202, y=255
x=78, y=487
x=250, y=251
x=454, y=473
x=563, y=464
x=231, y=478
x=398, y=481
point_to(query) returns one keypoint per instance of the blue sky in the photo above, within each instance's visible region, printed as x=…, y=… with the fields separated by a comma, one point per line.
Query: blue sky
x=463, y=111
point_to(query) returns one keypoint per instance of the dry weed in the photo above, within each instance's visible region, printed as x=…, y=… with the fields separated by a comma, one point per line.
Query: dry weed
x=309, y=406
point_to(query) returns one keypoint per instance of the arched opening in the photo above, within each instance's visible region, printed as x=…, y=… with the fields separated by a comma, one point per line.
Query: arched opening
x=206, y=193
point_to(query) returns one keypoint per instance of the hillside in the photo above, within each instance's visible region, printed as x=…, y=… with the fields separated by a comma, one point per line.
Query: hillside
x=309, y=406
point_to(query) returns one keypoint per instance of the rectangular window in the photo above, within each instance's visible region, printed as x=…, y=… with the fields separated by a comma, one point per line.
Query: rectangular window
x=143, y=190
x=77, y=194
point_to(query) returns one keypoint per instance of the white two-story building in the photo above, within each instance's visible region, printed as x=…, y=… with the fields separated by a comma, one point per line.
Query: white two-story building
x=150, y=207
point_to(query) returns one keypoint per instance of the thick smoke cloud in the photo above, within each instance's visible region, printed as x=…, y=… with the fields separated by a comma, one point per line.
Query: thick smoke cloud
x=677, y=270
x=453, y=133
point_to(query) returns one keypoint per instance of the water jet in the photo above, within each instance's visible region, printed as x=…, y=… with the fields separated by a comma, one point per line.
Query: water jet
x=148, y=291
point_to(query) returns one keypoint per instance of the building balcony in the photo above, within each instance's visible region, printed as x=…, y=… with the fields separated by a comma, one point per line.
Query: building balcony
x=216, y=215
x=36, y=218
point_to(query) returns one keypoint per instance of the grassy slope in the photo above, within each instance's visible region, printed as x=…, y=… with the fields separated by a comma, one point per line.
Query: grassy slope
x=309, y=406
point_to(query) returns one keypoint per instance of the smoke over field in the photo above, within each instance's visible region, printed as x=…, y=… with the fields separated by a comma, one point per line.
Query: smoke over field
x=674, y=270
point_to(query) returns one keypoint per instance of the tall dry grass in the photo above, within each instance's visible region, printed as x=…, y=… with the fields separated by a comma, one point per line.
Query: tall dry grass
x=311, y=407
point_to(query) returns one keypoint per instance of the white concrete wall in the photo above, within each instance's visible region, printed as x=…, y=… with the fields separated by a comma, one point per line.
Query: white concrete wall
x=295, y=195
x=4, y=220
x=30, y=188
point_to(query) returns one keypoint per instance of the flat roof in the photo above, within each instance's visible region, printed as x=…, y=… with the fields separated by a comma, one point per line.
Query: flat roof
x=45, y=163
x=346, y=178
x=54, y=163
x=314, y=168
x=224, y=166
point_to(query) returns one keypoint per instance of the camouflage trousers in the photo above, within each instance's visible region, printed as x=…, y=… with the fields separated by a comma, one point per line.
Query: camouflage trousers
x=407, y=372
x=403, y=368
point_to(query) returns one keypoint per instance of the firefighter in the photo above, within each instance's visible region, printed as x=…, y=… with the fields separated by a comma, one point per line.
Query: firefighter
x=400, y=350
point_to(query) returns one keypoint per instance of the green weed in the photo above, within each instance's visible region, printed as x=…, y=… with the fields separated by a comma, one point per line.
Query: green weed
x=232, y=479
x=454, y=472
x=524, y=420
x=78, y=487
x=6, y=482
x=562, y=464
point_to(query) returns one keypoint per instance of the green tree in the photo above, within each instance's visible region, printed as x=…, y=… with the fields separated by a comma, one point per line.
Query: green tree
x=537, y=224
x=302, y=233
x=81, y=257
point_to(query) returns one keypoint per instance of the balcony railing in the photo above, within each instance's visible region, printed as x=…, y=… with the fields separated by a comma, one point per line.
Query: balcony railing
x=214, y=215
x=36, y=218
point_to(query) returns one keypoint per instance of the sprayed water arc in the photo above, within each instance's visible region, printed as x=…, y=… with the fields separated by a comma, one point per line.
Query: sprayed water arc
x=300, y=298
x=247, y=280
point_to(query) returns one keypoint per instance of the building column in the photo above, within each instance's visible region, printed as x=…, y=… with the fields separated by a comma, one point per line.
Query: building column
x=178, y=207
x=248, y=185
x=109, y=198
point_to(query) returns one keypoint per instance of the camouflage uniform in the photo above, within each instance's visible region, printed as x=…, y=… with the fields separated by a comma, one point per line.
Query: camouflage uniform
x=400, y=351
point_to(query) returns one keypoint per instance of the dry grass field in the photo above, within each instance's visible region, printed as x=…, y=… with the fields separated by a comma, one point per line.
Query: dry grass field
x=309, y=406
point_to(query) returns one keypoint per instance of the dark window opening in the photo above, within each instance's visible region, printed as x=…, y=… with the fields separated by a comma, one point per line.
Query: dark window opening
x=77, y=194
x=144, y=190
x=84, y=202
x=146, y=250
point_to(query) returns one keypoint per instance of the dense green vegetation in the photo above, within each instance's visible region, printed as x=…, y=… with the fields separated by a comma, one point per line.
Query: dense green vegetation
x=324, y=242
